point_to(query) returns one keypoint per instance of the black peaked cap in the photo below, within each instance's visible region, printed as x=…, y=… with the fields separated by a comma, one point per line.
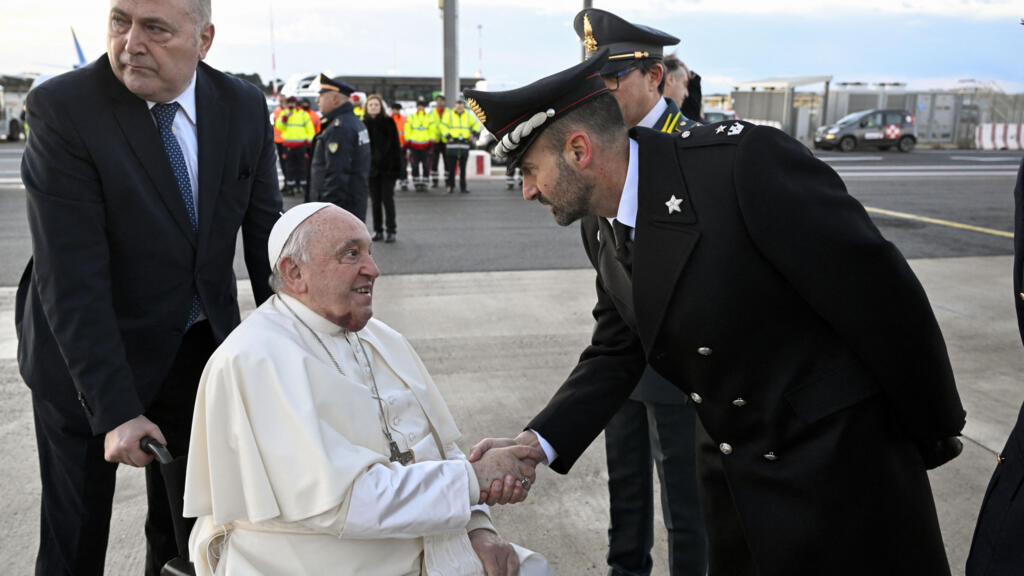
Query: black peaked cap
x=502, y=112
x=626, y=42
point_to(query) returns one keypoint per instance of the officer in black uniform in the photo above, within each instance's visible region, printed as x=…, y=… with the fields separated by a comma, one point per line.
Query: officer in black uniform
x=735, y=263
x=340, y=169
x=656, y=424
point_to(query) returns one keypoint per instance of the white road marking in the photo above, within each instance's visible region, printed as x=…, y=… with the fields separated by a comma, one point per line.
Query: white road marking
x=986, y=158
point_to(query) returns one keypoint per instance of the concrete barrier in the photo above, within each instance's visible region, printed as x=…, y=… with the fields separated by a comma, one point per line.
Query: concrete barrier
x=984, y=138
x=1013, y=134
x=479, y=164
x=999, y=136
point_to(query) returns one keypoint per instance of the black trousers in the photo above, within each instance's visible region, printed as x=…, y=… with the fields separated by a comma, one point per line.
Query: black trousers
x=403, y=158
x=78, y=484
x=456, y=158
x=638, y=438
x=439, y=152
x=382, y=195
x=295, y=168
x=420, y=164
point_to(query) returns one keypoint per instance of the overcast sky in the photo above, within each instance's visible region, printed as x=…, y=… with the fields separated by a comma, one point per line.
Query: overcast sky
x=926, y=43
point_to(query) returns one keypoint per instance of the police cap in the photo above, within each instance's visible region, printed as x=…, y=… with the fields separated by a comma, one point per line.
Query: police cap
x=626, y=42
x=517, y=117
x=324, y=84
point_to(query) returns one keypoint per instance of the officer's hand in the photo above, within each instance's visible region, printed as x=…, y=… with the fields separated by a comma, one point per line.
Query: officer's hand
x=121, y=444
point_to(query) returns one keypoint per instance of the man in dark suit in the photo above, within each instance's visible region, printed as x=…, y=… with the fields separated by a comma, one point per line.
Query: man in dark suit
x=141, y=168
x=736, y=265
x=997, y=546
x=656, y=424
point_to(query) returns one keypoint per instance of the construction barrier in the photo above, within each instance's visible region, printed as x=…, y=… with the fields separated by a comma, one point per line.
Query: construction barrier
x=479, y=164
x=999, y=137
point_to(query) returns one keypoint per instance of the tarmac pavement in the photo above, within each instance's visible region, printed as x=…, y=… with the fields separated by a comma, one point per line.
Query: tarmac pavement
x=499, y=343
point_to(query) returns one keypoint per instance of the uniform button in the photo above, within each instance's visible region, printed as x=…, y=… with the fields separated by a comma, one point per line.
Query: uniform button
x=1022, y=295
x=704, y=351
x=411, y=436
x=696, y=398
x=739, y=402
x=396, y=421
x=771, y=457
x=391, y=401
x=686, y=134
x=725, y=448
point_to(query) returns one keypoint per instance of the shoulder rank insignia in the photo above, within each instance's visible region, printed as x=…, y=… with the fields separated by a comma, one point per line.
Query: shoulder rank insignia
x=332, y=147
x=673, y=204
x=337, y=122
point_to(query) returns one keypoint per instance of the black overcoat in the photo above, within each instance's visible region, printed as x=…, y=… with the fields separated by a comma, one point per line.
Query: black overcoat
x=763, y=290
x=998, y=545
x=102, y=306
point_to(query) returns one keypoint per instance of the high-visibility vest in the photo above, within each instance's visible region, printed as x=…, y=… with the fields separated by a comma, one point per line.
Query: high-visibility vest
x=316, y=120
x=437, y=124
x=400, y=125
x=419, y=130
x=296, y=127
x=358, y=111
x=459, y=126
x=278, y=138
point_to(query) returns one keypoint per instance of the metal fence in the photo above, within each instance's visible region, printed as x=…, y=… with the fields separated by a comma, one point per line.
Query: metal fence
x=944, y=118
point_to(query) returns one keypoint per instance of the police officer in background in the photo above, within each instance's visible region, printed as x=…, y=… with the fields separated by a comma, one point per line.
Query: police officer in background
x=656, y=424
x=460, y=129
x=340, y=170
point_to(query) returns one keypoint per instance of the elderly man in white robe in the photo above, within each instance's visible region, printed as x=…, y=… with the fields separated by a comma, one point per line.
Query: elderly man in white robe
x=320, y=444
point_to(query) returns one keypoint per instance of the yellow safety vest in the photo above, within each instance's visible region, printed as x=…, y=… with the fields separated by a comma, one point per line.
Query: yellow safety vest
x=298, y=127
x=419, y=129
x=457, y=126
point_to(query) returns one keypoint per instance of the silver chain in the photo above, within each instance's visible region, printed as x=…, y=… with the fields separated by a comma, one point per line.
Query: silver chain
x=369, y=368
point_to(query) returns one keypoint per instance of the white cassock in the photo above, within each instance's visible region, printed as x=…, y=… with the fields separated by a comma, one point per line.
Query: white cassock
x=288, y=467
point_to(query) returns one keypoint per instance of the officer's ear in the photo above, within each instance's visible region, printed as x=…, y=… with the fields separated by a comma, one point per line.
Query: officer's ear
x=579, y=149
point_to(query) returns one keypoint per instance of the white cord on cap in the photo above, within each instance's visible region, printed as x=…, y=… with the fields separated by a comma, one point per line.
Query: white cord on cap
x=511, y=140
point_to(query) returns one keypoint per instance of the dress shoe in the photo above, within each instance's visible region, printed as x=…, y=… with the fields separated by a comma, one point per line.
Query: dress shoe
x=451, y=189
x=391, y=238
x=464, y=191
x=378, y=236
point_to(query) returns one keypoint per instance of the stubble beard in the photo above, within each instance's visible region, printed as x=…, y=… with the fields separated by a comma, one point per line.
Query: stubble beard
x=576, y=193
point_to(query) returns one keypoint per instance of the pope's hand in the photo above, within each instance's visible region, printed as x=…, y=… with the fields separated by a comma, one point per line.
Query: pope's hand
x=122, y=443
x=508, y=471
x=498, y=556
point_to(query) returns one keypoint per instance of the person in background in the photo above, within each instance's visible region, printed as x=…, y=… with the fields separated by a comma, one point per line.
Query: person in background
x=357, y=105
x=419, y=139
x=282, y=105
x=142, y=169
x=655, y=428
x=296, y=132
x=340, y=171
x=313, y=115
x=460, y=129
x=437, y=118
x=403, y=170
x=385, y=164
x=676, y=78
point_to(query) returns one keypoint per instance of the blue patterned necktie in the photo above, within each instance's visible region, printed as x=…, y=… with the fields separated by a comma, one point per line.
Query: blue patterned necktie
x=164, y=115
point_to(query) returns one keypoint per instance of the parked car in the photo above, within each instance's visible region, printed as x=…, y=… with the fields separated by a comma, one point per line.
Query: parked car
x=876, y=128
x=713, y=115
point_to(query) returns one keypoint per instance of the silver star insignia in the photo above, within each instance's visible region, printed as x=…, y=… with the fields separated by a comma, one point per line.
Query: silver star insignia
x=673, y=204
x=720, y=129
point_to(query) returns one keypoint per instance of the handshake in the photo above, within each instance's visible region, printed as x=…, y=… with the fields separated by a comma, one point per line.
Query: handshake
x=506, y=468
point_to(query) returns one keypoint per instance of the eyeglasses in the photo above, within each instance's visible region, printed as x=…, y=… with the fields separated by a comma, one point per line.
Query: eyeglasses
x=618, y=76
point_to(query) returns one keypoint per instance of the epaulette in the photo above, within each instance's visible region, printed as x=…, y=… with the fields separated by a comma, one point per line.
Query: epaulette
x=728, y=132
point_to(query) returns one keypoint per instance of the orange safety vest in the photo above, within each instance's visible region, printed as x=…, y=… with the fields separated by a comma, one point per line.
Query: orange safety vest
x=278, y=136
x=315, y=118
x=400, y=124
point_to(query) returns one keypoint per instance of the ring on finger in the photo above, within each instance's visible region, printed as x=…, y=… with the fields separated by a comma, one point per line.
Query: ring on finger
x=525, y=483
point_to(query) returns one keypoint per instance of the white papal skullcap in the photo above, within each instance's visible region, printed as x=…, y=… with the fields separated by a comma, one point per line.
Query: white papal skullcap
x=287, y=224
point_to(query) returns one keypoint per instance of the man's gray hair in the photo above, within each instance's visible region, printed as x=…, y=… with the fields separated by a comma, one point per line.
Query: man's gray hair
x=296, y=248
x=202, y=13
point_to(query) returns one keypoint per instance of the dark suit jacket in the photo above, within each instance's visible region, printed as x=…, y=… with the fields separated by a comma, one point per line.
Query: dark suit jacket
x=814, y=359
x=996, y=549
x=102, y=306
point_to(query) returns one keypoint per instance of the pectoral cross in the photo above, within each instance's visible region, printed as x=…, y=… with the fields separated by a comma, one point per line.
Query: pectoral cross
x=403, y=458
